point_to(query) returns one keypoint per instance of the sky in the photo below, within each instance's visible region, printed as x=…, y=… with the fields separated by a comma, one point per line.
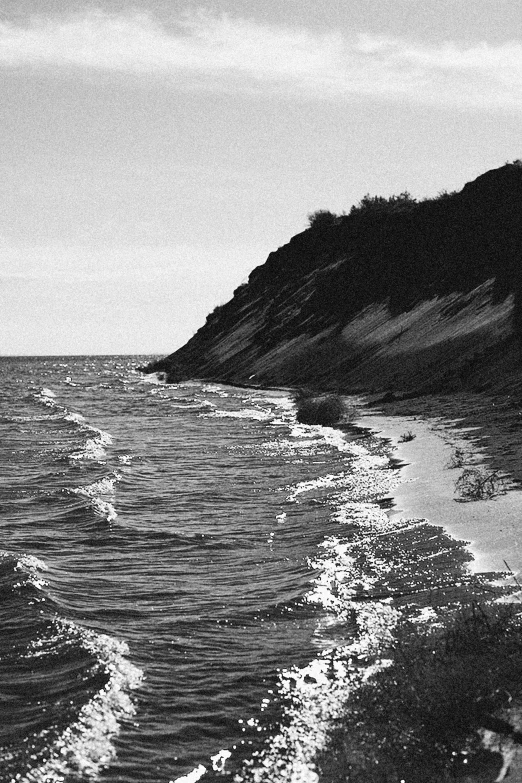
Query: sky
x=153, y=153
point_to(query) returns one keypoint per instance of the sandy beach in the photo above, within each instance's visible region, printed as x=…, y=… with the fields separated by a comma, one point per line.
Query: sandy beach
x=484, y=432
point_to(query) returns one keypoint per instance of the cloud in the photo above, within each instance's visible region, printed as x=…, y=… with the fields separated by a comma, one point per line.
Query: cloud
x=220, y=52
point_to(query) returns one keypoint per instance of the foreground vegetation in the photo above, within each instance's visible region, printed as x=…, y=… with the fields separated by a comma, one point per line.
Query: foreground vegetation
x=423, y=718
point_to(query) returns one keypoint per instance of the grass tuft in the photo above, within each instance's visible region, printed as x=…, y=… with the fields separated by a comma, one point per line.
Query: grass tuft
x=458, y=458
x=479, y=484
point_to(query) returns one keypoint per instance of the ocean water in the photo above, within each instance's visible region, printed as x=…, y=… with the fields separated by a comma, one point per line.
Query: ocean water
x=185, y=574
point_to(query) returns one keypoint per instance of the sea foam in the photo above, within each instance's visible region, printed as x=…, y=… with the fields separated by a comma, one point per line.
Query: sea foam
x=87, y=745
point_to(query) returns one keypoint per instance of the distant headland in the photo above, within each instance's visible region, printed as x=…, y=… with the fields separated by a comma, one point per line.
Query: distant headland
x=399, y=296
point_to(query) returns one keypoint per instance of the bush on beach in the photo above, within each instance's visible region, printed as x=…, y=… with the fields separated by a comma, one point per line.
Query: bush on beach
x=326, y=409
x=458, y=458
x=479, y=484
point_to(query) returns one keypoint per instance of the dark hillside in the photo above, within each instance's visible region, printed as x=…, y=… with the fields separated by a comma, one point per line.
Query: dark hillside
x=397, y=294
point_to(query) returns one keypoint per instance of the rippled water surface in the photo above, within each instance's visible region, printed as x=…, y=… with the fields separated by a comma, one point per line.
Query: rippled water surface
x=177, y=564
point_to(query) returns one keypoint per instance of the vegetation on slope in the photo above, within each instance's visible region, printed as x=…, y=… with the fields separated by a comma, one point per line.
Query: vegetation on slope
x=397, y=251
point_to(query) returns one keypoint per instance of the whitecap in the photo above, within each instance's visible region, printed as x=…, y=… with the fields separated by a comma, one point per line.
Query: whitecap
x=30, y=563
x=97, y=493
x=211, y=388
x=45, y=397
x=219, y=760
x=77, y=418
x=191, y=777
x=47, y=393
x=315, y=699
x=93, y=448
x=155, y=378
x=257, y=414
x=31, y=566
x=87, y=745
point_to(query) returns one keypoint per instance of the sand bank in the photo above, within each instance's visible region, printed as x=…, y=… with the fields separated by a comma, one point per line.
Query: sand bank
x=492, y=527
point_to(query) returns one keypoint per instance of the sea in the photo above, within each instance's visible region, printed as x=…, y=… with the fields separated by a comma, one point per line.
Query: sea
x=187, y=575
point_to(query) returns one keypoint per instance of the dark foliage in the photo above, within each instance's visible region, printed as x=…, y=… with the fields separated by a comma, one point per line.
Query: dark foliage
x=394, y=250
x=322, y=218
x=418, y=720
x=327, y=410
x=380, y=205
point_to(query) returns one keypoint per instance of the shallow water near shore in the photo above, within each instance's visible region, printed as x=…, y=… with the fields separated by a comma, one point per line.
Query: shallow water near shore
x=191, y=580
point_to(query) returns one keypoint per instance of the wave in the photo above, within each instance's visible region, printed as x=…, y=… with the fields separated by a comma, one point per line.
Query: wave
x=21, y=571
x=94, y=448
x=212, y=388
x=314, y=697
x=155, y=378
x=98, y=492
x=87, y=744
x=79, y=683
x=189, y=403
x=258, y=414
x=45, y=397
x=37, y=417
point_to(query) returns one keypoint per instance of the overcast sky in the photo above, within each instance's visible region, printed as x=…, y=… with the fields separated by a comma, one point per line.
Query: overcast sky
x=153, y=153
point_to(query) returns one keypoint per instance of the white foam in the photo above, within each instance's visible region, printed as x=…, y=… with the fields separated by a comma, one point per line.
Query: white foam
x=257, y=414
x=219, y=760
x=32, y=567
x=156, y=378
x=97, y=493
x=104, y=486
x=30, y=563
x=87, y=745
x=315, y=699
x=104, y=509
x=359, y=481
x=46, y=397
x=315, y=696
x=192, y=777
x=213, y=389
x=77, y=418
x=94, y=448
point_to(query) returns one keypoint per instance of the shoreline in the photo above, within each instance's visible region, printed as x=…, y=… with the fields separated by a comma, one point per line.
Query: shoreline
x=491, y=528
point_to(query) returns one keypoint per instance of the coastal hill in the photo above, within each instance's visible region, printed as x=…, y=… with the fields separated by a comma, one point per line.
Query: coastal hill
x=398, y=295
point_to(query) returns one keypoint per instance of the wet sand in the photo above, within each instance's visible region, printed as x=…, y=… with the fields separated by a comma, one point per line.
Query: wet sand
x=487, y=431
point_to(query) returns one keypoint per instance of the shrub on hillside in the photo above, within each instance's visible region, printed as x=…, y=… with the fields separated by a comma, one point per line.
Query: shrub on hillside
x=327, y=410
x=322, y=218
x=403, y=202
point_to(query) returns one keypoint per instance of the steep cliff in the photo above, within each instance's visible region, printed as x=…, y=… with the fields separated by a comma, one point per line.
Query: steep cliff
x=403, y=295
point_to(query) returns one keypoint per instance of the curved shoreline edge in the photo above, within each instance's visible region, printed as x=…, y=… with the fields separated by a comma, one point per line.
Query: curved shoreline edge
x=491, y=527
